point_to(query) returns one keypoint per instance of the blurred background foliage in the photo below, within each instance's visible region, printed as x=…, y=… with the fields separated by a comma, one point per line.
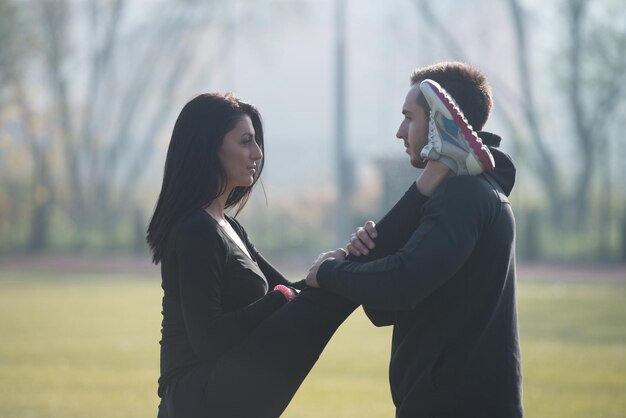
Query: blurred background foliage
x=90, y=89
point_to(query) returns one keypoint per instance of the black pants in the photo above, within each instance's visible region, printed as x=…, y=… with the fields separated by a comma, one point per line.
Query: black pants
x=259, y=377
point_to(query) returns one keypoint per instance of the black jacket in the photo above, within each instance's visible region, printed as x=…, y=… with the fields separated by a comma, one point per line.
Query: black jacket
x=446, y=280
x=214, y=294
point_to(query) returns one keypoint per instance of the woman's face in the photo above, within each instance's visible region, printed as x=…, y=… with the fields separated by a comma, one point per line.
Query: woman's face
x=240, y=154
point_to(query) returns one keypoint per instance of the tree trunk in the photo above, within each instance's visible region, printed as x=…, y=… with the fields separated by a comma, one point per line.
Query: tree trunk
x=584, y=135
x=545, y=164
x=42, y=198
x=531, y=242
x=623, y=237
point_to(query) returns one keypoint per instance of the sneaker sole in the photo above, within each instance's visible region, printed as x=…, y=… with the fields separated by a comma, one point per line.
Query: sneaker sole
x=452, y=111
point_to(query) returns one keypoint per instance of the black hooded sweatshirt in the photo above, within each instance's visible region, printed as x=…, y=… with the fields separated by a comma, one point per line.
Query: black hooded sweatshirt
x=446, y=281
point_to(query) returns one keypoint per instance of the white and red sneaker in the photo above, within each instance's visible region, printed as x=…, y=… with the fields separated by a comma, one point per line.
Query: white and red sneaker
x=451, y=138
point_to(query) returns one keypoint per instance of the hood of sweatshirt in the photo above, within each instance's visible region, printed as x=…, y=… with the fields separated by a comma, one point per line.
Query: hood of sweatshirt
x=504, y=172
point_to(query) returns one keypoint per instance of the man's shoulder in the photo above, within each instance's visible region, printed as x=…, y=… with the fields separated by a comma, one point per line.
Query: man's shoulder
x=469, y=187
x=464, y=193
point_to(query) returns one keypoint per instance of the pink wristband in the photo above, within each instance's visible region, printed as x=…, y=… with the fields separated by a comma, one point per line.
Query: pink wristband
x=287, y=292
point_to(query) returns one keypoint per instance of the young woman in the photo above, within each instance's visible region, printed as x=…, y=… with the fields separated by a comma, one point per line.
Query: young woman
x=231, y=345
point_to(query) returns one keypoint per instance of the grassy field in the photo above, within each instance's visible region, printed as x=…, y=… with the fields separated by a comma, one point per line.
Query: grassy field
x=86, y=346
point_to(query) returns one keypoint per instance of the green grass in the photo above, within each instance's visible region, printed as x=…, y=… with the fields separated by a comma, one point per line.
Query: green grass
x=574, y=349
x=86, y=346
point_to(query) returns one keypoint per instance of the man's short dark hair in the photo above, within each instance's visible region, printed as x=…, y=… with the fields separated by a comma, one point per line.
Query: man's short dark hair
x=466, y=85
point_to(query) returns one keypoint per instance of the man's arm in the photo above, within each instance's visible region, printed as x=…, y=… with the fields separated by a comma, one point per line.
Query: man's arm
x=450, y=226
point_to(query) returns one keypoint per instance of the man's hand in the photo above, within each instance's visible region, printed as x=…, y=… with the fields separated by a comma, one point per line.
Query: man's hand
x=311, y=278
x=362, y=241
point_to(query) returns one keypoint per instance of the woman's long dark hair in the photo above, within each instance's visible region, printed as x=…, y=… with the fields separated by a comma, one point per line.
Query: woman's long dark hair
x=193, y=175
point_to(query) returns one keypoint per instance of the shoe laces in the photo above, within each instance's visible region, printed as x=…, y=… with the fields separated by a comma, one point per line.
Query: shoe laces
x=432, y=127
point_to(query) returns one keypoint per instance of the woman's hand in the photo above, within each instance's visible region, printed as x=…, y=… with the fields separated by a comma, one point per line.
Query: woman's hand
x=311, y=278
x=362, y=241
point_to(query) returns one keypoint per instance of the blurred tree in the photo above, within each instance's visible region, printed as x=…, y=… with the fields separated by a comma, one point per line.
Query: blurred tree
x=109, y=125
x=591, y=84
x=595, y=80
x=18, y=48
x=88, y=87
x=543, y=163
x=91, y=99
x=596, y=92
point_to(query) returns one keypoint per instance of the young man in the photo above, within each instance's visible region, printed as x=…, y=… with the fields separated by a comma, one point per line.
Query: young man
x=446, y=281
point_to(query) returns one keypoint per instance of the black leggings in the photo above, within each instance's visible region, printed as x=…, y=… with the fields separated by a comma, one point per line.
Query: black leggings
x=259, y=377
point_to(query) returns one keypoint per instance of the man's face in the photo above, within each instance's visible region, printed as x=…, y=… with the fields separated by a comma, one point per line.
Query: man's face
x=414, y=127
